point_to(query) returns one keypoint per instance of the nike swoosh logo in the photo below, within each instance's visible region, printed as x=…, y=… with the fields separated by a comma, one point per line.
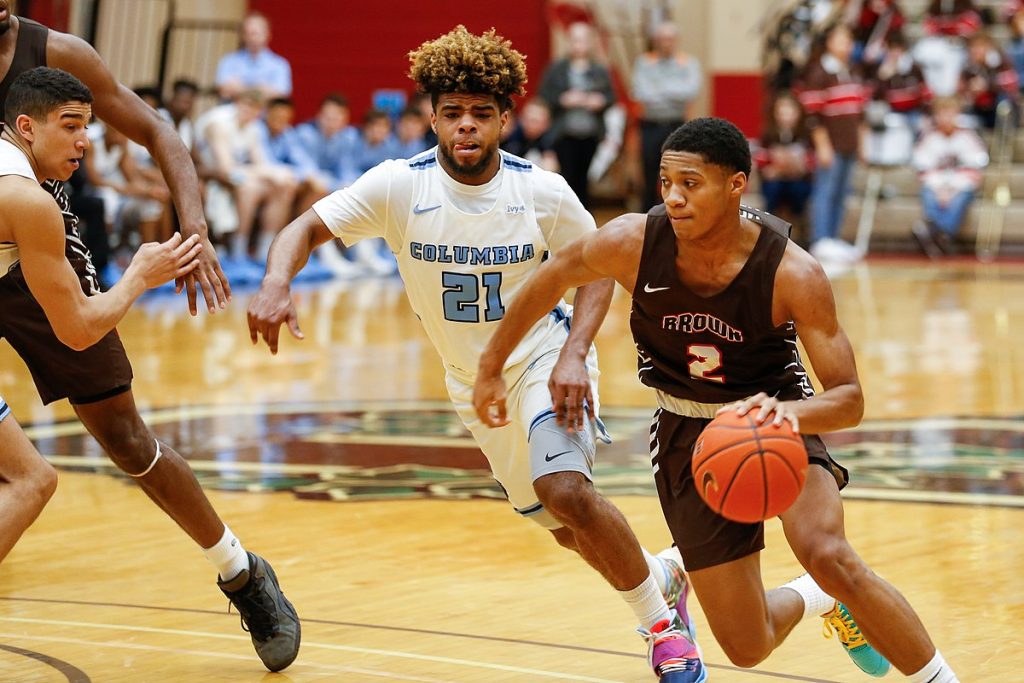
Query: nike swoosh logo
x=652, y=290
x=418, y=210
x=549, y=458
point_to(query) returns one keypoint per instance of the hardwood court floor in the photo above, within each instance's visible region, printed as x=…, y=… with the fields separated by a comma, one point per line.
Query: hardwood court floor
x=105, y=588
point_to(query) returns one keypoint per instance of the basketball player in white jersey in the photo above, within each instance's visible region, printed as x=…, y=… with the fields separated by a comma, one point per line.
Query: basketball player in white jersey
x=468, y=225
x=33, y=148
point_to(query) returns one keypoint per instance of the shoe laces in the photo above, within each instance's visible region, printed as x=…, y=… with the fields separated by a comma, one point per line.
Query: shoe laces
x=841, y=621
x=256, y=609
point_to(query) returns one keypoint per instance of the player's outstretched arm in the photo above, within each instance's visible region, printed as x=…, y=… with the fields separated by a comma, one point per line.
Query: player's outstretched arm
x=79, y=320
x=122, y=109
x=597, y=256
x=806, y=295
x=273, y=305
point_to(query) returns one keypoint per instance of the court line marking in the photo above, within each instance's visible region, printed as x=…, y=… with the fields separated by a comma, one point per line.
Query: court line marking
x=70, y=671
x=853, y=492
x=325, y=646
x=120, y=644
x=406, y=629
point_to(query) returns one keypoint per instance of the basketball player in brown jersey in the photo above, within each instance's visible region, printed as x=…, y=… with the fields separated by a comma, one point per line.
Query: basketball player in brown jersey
x=97, y=380
x=47, y=144
x=718, y=295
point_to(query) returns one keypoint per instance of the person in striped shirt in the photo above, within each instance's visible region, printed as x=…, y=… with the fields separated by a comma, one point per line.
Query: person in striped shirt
x=833, y=95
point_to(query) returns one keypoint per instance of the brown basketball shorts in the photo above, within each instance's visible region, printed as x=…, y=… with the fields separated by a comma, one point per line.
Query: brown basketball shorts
x=97, y=373
x=705, y=538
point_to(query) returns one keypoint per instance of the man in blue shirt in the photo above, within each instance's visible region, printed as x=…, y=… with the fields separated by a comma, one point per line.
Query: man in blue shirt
x=284, y=147
x=331, y=141
x=254, y=66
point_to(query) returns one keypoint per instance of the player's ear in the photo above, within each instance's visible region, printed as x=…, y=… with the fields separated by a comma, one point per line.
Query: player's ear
x=737, y=183
x=25, y=127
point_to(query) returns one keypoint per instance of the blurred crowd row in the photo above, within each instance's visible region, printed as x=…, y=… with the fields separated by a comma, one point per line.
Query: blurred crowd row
x=848, y=86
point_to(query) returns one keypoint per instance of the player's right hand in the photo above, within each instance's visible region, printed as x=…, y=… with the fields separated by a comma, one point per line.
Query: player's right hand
x=158, y=264
x=489, y=396
x=272, y=306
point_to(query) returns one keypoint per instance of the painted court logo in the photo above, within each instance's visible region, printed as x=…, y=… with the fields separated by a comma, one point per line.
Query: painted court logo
x=343, y=451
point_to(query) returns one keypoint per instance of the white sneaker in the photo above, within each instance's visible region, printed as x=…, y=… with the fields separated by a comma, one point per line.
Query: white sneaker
x=851, y=253
x=341, y=267
x=373, y=261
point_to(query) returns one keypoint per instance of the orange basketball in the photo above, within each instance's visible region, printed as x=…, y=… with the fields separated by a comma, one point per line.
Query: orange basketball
x=748, y=473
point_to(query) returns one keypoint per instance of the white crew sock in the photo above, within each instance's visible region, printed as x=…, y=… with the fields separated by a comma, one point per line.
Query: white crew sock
x=935, y=671
x=658, y=570
x=228, y=556
x=647, y=603
x=816, y=601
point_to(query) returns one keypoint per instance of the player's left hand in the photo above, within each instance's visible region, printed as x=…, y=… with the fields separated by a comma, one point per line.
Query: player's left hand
x=209, y=276
x=489, y=397
x=765, y=406
x=571, y=395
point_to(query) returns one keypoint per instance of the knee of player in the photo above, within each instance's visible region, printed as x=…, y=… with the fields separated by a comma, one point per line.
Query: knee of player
x=745, y=650
x=39, y=486
x=130, y=448
x=568, y=496
x=836, y=568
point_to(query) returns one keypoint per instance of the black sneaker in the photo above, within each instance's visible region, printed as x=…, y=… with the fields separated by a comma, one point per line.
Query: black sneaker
x=269, y=618
x=923, y=235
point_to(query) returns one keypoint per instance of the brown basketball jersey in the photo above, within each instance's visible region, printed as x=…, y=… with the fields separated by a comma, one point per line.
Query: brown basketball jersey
x=720, y=348
x=30, y=52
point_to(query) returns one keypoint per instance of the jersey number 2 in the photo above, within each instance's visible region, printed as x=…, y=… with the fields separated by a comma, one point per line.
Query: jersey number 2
x=704, y=361
x=462, y=294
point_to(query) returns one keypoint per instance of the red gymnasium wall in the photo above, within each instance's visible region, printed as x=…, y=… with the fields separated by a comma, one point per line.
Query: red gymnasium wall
x=359, y=47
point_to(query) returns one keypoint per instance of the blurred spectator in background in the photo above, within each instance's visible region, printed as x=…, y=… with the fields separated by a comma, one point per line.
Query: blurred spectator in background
x=952, y=18
x=834, y=98
x=899, y=96
x=578, y=90
x=375, y=144
x=254, y=66
x=150, y=94
x=790, y=34
x=531, y=136
x=899, y=82
x=950, y=161
x=987, y=79
x=330, y=140
x=665, y=84
x=874, y=23
x=285, y=149
x=134, y=203
x=1015, y=46
x=231, y=143
x=422, y=102
x=180, y=107
x=411, y=133
x=785, y=160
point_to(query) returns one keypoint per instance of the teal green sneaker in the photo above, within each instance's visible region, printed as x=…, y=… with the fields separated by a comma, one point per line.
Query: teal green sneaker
x=867, y=658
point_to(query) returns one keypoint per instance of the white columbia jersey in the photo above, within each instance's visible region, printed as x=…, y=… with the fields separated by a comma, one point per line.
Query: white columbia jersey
x=12, y=162
x=463, y=251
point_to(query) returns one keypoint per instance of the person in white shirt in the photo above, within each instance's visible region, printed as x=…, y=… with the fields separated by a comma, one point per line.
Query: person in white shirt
x=950, y=161
x=468, y=225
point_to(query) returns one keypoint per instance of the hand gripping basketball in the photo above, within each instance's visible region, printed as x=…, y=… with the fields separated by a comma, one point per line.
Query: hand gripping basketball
x=746, y=472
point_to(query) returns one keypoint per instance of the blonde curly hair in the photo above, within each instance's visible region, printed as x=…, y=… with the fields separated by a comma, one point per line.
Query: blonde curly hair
x=460, y=62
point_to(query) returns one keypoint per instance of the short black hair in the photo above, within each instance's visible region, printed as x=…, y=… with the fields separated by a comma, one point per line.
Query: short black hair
x=716, y=140
x=185, y=84
x=149, y=92
x=280, y=102
x=374, y=115
x=335, y=98
x=39, y=91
